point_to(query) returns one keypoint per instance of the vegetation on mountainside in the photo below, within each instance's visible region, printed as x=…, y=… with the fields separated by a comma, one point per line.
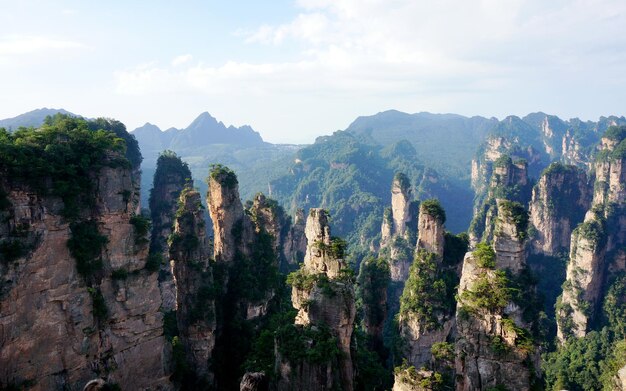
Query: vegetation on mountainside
x=455, y=247
x=517, y=214
x=434, y=209
x=592, y=362
x=344, y=175
x=86, y=245
x=223, y=175
x=618, y=135
x=63, y=157
x=249, y=280
x=374, y=278
x=429, y=291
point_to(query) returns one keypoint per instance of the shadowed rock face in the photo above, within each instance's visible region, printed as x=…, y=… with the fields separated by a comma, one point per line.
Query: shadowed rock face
x=196, y=315
x=49, y=334
x=559, y=201
x=170, y=178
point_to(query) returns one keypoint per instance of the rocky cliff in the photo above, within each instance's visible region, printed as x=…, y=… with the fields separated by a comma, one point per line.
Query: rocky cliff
x=398, y=230
x=559, y=201
x=170, y=178
x=76, y=301
x=495, y=345
x=427, y=305
x=294, y=244
x=597, y=243
x=195, y=288
x=509, y=180
x=323, y=294
x=247, y=257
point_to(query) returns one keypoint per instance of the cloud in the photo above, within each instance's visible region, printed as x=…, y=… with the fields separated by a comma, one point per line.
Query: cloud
x=411, y=45
x=346, y=57
x=25, y=45
x=180, y=60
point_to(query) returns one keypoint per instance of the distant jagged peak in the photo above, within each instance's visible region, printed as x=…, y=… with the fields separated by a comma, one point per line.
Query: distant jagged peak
x=147, y=127
x=204, y=119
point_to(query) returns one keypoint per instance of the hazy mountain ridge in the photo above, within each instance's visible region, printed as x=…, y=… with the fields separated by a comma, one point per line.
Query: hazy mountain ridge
x=204, y=130
x=32, y=118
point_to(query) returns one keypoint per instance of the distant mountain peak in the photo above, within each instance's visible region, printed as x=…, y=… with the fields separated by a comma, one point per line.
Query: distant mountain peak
x=202, y=131
x=33, y=118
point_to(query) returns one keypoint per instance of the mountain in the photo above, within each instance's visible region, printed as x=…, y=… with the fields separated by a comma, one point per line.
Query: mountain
x=205, y=130
x=445, y=142
x=351, y=178
x=33, y=118
x=207, y=141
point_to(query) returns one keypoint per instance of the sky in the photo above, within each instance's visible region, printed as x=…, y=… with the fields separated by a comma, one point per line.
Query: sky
x=297, y=69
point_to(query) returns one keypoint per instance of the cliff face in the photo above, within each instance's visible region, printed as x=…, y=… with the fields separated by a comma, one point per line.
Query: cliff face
x=76, y=302
x=170, y=178
x=195, y=291
x=373, y=282
x=510, y=235
x=509, y=180
x=559, y=201
x=420, y=330
x=226, y=212
x=323, y=294
x=430, y=230
x=398, y=230
x=288, y=239
x=294, y=245
x=595, y=244
x=246, y=250
x=426, y=319
x=494, y=345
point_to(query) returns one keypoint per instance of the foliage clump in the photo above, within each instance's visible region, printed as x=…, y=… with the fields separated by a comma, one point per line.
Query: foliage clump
x=223, y=175
x=86, y=244
x=142, y=227
x=374, y=278
x=154, y=262
x=100, y=310
x=592, y=230
x=62, y=156
x=11, y=250
x=517, y=214
x=307, y=343
x=428, y=292
x=489, y=292
x=301, y=279
x=403, y=181
x=434, y=209
x=408, y=374
x=485, y=256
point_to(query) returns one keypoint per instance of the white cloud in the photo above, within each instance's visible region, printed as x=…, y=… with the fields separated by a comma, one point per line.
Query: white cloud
x=23, y=45
x=346, y=57
x=180, y=60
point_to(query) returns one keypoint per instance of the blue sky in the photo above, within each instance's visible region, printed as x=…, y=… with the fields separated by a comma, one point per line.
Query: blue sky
x=297, y=69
